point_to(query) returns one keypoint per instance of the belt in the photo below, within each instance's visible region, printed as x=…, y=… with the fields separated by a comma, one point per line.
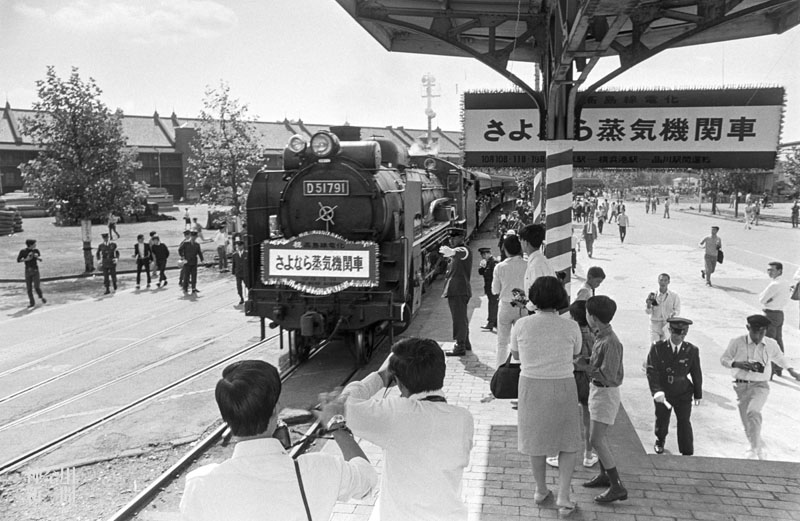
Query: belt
x=599, y=384
x=737, y=381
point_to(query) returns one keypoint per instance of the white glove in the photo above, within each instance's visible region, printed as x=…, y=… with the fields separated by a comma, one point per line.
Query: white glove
x=447, y=251
x=659, y=397
x=697, y=401
x=483, y=263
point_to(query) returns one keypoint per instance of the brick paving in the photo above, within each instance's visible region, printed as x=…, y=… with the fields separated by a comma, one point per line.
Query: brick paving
x=498, y=483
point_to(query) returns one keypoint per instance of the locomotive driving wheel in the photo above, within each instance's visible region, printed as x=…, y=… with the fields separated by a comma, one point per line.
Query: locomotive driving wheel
x=300, y=346
x=364, y=344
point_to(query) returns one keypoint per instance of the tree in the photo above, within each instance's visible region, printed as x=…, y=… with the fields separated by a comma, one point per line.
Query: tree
x=226, y=149
x=84, y=168
x=791, y=167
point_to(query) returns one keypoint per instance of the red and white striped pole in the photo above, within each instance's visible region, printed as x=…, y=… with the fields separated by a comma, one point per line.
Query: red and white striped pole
x=538, y=198
x=558, y=206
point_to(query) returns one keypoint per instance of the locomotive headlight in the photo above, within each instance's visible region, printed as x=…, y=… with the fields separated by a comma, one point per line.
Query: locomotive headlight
x=297, y=144
x=324, y=144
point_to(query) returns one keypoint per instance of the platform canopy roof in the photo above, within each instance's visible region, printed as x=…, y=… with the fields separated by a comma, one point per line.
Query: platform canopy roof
x=496, y=31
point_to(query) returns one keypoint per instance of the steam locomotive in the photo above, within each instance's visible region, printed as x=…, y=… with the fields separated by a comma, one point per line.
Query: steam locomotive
x=346, y=238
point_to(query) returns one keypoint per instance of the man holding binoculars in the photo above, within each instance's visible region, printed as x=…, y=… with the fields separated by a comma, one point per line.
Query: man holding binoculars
x=748, y=356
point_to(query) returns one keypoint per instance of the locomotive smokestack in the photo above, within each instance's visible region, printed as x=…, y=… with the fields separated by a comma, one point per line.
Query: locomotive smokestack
x=347, y=133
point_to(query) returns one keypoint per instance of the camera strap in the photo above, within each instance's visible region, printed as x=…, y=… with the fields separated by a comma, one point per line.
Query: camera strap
x=433, y=398
x=302, y=489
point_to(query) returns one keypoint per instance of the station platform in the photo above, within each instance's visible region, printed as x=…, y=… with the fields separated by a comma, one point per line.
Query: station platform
x=498, y=483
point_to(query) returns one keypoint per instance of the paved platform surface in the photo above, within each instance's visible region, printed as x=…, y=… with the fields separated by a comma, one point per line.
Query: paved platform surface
x=498, y=484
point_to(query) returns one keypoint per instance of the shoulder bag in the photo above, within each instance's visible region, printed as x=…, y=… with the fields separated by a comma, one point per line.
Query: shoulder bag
x=505, y=382
x=795, y=292
x=720, y=256
x=302, y=489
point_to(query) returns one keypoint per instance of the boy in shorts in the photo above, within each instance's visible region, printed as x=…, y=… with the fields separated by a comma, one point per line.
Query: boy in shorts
x=606, y=374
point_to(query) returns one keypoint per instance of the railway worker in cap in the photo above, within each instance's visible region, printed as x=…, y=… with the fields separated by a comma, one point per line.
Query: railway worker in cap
x=238, y=260
x=676, y=382
x=160, y=254
x=261, y=481
x=748, y=357
x=486, y=269
x=425, y=440
x=458, y=292
x=108, y=254
x=31, y=256
x=190, y=252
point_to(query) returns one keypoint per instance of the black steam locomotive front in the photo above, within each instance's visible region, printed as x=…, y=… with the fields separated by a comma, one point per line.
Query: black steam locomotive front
x=329, y=238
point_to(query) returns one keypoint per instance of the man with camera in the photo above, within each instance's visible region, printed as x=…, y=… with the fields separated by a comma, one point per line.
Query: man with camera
x=261, y=482
x=426, y=441
x=747, y=356
x=661, y=306
x=676, y=382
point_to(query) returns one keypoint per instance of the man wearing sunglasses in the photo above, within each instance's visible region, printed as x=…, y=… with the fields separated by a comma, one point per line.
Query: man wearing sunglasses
x=676, y=382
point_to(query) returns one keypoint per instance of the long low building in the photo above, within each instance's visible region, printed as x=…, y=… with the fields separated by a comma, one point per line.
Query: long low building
x=163, y=145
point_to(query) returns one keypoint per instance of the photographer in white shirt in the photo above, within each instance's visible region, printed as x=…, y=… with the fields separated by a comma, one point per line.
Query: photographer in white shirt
x=426, y=441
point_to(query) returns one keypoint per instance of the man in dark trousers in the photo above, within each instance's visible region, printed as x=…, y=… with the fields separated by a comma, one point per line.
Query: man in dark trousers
x=190, y=252
x=160, y=254
x=142, y=254
x=239, y=268
x=458, y=292
x=31, y=256
x=486, y=269
x=676, y=382
x=182, y=275
x=107, y=254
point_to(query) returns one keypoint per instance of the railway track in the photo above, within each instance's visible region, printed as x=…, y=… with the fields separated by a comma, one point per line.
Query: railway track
x=150, y=492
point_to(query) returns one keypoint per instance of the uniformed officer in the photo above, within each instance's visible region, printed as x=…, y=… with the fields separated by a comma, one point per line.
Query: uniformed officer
x=676, y=381
x=190, y=252
x=486, y=269
x=107, y=254
x=457, y=291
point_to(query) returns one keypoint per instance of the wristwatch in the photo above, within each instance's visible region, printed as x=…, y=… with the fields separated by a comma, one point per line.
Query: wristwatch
x=336, y=423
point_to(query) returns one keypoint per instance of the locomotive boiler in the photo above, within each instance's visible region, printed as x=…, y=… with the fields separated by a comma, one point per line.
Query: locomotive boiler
x=343, y=241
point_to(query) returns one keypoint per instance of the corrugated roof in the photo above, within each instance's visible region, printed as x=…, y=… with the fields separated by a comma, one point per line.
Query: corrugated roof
x=143, y=131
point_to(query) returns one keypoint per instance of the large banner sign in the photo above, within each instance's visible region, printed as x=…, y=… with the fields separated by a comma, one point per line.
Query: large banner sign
x=320, y=263
x=731, y=128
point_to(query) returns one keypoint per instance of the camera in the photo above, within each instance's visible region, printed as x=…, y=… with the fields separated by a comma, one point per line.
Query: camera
x=758, y=367
x=651, y=299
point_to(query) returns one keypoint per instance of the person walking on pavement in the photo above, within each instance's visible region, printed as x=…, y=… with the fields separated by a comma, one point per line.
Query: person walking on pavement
x=31, y=256
x=676, y=383
x=112, y=224
x=712, y=244
x=190, y=252
x=795, y=212
x=748, y=356
x=604, y=396
x=773, y=299
x=661, y=305
x=142, y=254
x=160, y=254
x=187, y=220
x=622, y=222
x=589, y=235
x=594, y=277
x=486, y=269
x=239, y=268
x=666, y=208
x=457, y=291
x=508, y=275
x=182, y=274
x=108, y=254
x=221, y=242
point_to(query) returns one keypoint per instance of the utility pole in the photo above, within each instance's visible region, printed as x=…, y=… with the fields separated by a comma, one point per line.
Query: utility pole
x=429, y=82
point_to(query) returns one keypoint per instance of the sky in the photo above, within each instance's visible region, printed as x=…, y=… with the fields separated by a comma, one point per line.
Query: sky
x=309, y=60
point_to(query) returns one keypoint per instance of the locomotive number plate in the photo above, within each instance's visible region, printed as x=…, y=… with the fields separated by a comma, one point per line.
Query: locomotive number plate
x=333, y=187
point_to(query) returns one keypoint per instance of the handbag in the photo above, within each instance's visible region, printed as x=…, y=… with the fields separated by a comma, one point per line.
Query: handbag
x=795, y=292
x=505, y=381
x=720, y=256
